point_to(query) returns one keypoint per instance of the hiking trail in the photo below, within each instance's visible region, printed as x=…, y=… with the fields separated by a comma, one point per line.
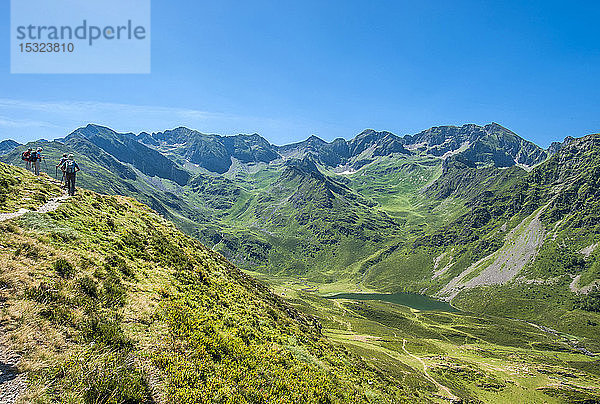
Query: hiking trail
x=12, y=382
x=443, y=388
x=49, y=206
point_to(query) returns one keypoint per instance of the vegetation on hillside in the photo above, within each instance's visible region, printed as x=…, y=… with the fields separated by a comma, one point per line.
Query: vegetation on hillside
x=369, y=214
x=110, y=303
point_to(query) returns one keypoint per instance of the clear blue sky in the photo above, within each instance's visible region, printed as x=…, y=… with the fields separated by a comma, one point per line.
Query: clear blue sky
x=333, y=68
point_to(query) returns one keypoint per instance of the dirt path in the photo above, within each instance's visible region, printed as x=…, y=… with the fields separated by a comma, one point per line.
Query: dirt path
x=439, y=386
x=49, y=206
x=13, y=383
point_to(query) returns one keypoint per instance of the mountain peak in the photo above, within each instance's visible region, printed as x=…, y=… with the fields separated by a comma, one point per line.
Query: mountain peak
x=373, y=133
x=492, y=144
x=496, y=127
x=98, y=127
x=315, y=139
x=305, y=164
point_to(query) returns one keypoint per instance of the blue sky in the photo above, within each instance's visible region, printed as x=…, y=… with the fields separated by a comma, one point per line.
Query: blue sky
x=287, y=70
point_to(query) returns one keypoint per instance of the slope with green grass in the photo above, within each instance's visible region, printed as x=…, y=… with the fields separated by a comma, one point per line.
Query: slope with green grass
x=478, y=358
x=524, y=247
x=449, y=211
x=109, y=302
x=235, y=192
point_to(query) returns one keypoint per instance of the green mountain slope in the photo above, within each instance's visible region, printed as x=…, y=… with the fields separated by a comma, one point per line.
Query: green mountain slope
x=241, y=195
x=108, y=301
x=451, y=211
x=525, y=246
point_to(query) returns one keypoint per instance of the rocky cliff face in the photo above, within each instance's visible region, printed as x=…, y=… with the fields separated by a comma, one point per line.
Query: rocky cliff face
x=482, y=145
x=212, y=152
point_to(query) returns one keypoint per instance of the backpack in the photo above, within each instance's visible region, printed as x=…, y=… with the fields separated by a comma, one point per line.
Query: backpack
x=25, y=155
x=33, y=156
x=69, y=166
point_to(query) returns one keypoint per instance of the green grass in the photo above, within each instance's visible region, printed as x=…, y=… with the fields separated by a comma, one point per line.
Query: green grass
x=21, y=189
x=479, y=358
x=127, y=296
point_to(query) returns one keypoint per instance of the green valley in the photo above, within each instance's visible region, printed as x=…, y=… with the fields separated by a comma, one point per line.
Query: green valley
x=506, y=232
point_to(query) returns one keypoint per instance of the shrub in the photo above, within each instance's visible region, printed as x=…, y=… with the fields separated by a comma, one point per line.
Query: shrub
x=95, y=327
x=114, y=262
x=113, y=291
x=589, y=302
x=28, y=249
x=58, y=314
x=43, y=293
x=95, y=376
x=88, y=286
x=63, y=268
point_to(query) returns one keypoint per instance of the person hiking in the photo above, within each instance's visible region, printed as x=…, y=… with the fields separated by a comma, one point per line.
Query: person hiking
x=26, y=157
x=64, y=158
x=70, y=168
x=36, y=159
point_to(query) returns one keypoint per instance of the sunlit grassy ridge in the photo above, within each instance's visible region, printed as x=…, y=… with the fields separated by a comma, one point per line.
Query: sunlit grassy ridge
x=108, y=301
x=19, y=189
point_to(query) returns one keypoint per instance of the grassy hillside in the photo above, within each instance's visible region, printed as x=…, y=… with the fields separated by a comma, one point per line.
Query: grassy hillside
x=102, y=172
x=20, y=190
x=524, y=246
x=264, y=209
x=108, y=302
x=368, y=215
x=477, y=358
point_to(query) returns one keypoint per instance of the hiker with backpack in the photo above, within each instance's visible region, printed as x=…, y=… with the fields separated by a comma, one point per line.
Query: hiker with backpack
x=36, y=158
x=64, y=158
x=70, y=168
x=26, y=157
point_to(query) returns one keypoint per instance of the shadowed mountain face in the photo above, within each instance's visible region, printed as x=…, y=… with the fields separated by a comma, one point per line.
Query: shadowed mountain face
x=125, y=148
x=490, y=144
x=357, y=152
x=479, y=145
x=7, y=146
x=212, y=152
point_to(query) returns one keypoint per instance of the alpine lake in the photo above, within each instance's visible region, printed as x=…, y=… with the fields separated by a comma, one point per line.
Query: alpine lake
x=445, y=352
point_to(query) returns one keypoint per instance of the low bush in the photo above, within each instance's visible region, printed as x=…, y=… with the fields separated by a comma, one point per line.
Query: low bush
x=63, y=268
x=95, y=376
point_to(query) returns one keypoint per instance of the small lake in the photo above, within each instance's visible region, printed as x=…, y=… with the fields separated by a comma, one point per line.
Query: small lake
x=412, y=300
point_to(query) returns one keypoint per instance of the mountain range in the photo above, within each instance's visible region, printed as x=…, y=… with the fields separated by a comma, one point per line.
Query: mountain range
x=504, y=230
x=472, y=214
